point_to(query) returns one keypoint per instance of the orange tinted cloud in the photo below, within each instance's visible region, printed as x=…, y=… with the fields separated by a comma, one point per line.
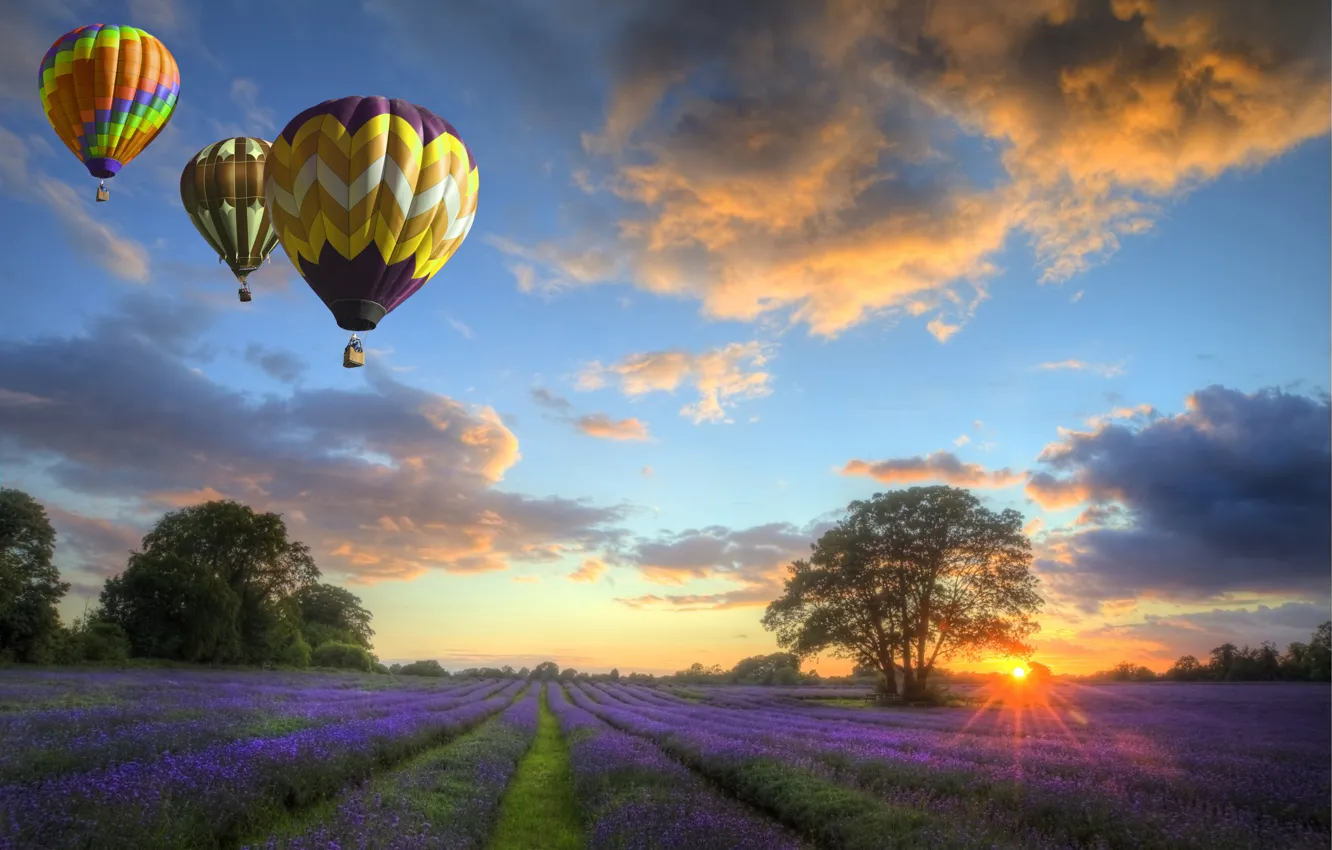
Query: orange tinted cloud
x=938, y=466
x=720, y=377
x=759, y=183
x=602, y=427
x=591, y=570
x=1105, y=370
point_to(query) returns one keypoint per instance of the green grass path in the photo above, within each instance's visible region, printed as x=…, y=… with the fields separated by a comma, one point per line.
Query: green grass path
x=539, y=809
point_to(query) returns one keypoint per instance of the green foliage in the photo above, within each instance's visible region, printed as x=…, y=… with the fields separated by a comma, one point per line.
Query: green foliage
x=330, y=613
x=909, y=578
x=344, y=656
x=778, y=668
x=546, y=670
x=429, y=667
x=216, y=582
x=30, y=585
x=295, y=654
x=174, y=608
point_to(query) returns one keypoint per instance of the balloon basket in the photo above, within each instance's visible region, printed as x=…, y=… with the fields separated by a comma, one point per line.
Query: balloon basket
x=351, y=358
x=103, y=194
x=244, y=295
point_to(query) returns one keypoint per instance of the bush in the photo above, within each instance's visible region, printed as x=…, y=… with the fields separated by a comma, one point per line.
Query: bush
x=101, y=642
x=344, y=656
x=295, y=654
x=423, y=668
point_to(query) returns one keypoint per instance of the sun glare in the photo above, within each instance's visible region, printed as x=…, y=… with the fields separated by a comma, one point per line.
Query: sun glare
x=1018, y=672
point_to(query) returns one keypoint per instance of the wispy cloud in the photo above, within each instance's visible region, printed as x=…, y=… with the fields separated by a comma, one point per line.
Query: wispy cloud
x=1105, y=370
x=938, y=466
x=721, y=377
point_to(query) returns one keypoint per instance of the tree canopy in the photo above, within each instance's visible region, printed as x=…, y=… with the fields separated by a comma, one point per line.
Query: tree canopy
x=215, y=582
x=331, y=613
x=30, y=585
x=909, y=578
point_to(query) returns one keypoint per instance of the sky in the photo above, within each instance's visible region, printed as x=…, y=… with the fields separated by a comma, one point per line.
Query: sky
x=734, y=266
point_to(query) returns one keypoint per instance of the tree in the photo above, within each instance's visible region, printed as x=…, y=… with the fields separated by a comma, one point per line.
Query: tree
x=344, y=656
x=246, y=552
x=614, y=675
x=1318, y=660
x=913, y=577
x=430, y=668
x=331, y=613
x=781, y=668
x=1223, y=663
x=547, y=670
x=841, y=601
x=568, y=674
x=1186, y=669
x=173, y=608
x=30, y=585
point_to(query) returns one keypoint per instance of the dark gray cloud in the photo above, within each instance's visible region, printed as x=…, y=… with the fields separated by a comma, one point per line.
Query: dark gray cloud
x=279, y=364
x=1196, y=633
x=1230, y=496
x=753, y=558
x=404, y=484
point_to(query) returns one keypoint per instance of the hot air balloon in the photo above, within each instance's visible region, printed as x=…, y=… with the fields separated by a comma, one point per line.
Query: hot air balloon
x=222, y=188
x=108, y=91
x=370, y=197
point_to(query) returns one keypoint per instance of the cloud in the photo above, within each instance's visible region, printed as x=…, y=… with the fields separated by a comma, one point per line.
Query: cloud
x=279, y=364
x=404, y=483
x=837, y=161
x=599, y=425
x=961, y=441
x=530, y=579
x=591, y=570
x=720, y=376
x=258, y=119
x=461, y=327
x=602, y=427
x=546, y=398
x=938, y=466
x=753, y=558
x=1231, y=495
x=109, y=248
x=93, y=545
x=647, y=471
x=1105, y=370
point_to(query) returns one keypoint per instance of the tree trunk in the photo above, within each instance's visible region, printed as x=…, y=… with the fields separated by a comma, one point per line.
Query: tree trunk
x=887, y=669
x=908, y=672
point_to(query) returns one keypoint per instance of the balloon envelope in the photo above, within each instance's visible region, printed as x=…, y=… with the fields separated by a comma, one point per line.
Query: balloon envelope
x=108, y=91
x=370, y=197
x=222, y=188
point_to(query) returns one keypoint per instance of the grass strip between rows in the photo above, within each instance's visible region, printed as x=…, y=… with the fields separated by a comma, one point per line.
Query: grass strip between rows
x=539, y=809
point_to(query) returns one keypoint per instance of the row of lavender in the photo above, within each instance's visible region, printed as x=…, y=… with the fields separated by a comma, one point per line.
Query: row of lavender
x=633, y=795
x=1046, y=775
x=446, y=800
x=215, y=790
x=44, y=743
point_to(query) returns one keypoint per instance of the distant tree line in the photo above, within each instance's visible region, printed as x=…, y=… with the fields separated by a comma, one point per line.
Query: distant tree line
x=1300, y=662
x=215, y=583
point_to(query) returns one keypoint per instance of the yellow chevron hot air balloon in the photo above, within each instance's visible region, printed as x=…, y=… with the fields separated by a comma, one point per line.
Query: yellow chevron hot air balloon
x=370, y=197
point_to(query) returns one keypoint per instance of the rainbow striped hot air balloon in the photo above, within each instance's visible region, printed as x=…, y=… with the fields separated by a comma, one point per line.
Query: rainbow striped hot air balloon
x=108, y=91
x=369, y=197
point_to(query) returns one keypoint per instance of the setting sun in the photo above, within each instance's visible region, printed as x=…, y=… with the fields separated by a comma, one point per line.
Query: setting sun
x=1018, y=672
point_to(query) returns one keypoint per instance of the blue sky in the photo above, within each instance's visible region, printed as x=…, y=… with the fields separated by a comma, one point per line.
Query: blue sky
x=760, y=251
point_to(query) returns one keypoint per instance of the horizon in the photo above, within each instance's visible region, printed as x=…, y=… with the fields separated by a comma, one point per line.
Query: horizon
x=710, y=299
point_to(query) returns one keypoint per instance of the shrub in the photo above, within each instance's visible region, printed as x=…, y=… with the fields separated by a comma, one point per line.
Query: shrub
x=424, y=668
x=295, y=654
x=103, y=643
x=344, y=656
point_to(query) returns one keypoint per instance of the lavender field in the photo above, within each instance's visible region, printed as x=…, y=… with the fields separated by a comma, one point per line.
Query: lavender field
x=199, y=759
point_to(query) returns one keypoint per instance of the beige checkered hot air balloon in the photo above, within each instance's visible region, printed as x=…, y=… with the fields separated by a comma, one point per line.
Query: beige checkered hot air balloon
x=222, y=188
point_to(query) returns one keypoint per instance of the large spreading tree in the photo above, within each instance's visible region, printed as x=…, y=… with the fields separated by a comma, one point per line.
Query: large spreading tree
x=910, y=578
x=214, y=582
